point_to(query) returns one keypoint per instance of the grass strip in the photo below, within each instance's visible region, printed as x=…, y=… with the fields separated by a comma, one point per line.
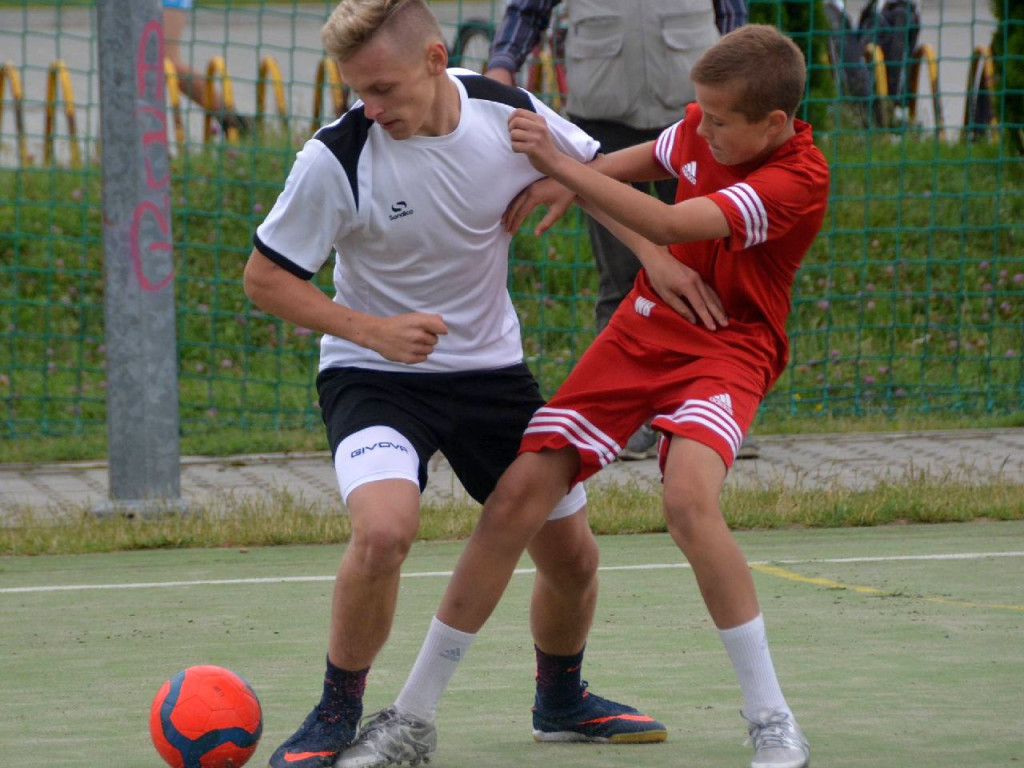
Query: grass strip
x=283, y=518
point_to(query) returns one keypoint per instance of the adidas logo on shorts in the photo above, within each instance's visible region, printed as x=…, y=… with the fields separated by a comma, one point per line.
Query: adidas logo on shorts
x=723, y=401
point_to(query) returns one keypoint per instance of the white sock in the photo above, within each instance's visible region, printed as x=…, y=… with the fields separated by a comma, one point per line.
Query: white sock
x=440, y=654
x=747, y=646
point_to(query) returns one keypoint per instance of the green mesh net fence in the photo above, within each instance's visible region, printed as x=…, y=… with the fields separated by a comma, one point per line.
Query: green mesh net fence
x=909, y=301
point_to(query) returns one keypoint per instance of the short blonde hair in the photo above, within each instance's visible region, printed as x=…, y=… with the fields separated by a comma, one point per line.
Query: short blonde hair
x=353, y=23
x=770, y=67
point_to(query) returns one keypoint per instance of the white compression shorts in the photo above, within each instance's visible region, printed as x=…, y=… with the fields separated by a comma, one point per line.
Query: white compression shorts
x=383, y=453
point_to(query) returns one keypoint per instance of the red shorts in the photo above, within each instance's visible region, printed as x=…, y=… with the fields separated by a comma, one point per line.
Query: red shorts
x=621, y=382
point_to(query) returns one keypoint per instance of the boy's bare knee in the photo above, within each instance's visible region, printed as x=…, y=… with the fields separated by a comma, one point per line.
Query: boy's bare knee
x=566, y=554
x=573, y=570
x=686, y=514
x=577, y=575
x=380, y=549
x=514, y=504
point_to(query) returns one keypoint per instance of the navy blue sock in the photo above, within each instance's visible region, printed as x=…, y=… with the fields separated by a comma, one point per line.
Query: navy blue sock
x=558, y=679
x=343, y=693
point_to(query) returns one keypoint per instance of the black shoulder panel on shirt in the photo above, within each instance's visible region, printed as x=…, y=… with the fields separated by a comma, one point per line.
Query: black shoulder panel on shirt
x=346, y=138
x=480, y=87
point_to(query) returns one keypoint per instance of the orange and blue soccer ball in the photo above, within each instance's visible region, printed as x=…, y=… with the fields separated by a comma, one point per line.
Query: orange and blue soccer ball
x=206, y=717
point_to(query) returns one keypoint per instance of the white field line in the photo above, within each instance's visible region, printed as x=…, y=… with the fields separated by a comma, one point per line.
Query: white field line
x=447, y=574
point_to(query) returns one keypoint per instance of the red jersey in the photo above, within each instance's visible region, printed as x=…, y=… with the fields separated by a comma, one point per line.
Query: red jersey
x=774, y=209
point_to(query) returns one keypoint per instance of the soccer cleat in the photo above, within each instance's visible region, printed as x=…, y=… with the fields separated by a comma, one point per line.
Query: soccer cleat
x=317, y=742
x=778, y=741
x=390, y=738
x=598, y=720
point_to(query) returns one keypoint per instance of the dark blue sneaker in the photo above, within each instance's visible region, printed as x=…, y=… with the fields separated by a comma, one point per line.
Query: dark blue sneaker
x=317, y=742
x=596, y=720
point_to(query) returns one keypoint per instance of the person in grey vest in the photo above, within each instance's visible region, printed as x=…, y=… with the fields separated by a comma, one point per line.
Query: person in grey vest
x=627, y=65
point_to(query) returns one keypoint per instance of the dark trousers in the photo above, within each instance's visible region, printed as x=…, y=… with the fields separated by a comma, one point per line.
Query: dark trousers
x=616, y=264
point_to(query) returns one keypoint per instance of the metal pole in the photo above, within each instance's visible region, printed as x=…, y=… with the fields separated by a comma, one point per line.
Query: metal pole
x=142, y=375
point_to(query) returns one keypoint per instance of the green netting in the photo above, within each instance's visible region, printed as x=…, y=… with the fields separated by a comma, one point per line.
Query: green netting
x=909, y=301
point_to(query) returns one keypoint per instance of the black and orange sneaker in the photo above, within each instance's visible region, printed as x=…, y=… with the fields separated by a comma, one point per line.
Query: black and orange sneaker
x=317, y=742
x=594, y=719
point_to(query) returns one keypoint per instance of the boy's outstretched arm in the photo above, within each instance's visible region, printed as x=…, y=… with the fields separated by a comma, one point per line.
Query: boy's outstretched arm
x=695, y=219
x=555, y=198
x=634, y=163
x=682, y=288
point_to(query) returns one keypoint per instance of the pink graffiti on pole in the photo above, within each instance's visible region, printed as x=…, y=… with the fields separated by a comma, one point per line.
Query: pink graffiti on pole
x=150, y=227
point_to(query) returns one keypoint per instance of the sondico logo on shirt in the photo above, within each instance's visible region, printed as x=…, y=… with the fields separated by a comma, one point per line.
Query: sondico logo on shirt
x=643, y=306
x=690, y=171
x=400, y=209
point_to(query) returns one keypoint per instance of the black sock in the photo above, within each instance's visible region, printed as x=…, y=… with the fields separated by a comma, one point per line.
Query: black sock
x=558, y=679
x=343, y=693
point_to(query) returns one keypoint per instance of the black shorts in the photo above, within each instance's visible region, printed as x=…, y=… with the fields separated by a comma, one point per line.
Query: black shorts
x=475, y=418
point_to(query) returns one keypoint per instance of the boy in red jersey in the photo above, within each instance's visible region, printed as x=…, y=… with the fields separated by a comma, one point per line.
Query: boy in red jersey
x=751, y=197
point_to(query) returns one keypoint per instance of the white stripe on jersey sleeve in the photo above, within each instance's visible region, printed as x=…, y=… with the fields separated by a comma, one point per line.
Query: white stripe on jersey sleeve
x=663, y=147
x=755, y=217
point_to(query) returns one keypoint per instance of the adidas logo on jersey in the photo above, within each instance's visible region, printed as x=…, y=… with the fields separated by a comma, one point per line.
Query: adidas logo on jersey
x=643, y=306
x=690, y=171
x=723, y=401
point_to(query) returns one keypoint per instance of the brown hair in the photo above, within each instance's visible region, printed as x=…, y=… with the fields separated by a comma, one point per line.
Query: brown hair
x=769, y=67
x=353, y=23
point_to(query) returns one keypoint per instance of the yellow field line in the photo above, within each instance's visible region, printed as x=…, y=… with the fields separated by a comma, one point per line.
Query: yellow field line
x=817, y=581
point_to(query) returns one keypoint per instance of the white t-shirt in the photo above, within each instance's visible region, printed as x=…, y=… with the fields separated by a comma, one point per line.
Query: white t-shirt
x=416, y=224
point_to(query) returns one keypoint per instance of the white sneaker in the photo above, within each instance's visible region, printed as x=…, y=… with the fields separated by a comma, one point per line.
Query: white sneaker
x=778, y=741
x=388, y=739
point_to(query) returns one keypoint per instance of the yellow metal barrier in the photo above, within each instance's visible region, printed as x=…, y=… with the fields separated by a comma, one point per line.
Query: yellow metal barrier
x=174, y=97
x=926, y=54
x=271, y=73
x=327, y=74
x=981, y=77
x=874, y=56
x=58, y=77
x=8, y=74
x=550, y=75
x=218, y=69
x=58, y=84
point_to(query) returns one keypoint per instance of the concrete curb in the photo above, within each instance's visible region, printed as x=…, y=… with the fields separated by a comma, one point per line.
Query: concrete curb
x=855, y=461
